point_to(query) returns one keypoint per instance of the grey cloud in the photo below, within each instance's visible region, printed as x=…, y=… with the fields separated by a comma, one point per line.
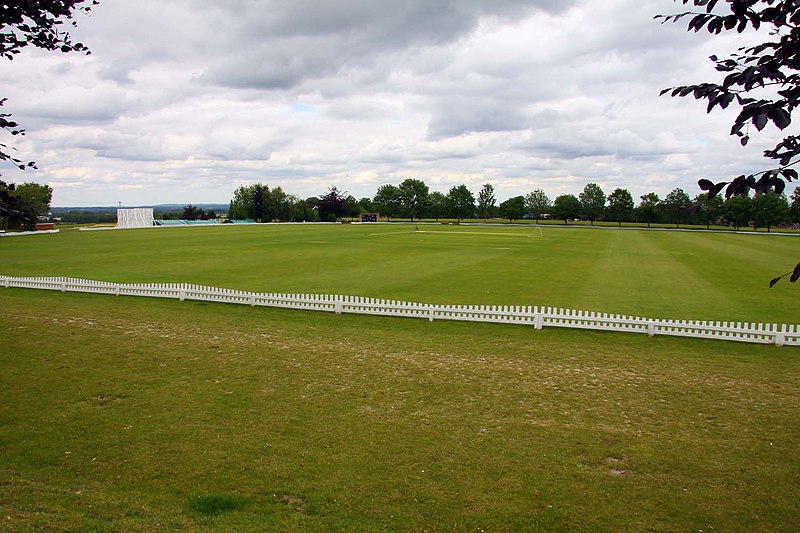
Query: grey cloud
x=118, y=72
x=401, y=21
x=127, y=147
x=279, y=45
x=70, y=107
x=585, y=141
x=274, y=66
x=469, y=115
x=445, y=154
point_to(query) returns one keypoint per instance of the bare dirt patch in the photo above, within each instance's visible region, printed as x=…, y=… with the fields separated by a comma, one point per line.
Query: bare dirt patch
x=295, y=502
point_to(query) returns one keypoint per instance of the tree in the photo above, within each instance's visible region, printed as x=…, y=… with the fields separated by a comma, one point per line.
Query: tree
x=308, y=209
x=274, y=204
x=413, y=197
x=366, y=205
x=39, y=24
x=332, y=205
x=85, y=216
x=566, y=207
x=769, y=210
x=259, y=202
x=22, y=205
x=283, y=205
x=762, y=80
x=191, y=212
x=461, y=202
x=437, y=206
x=486, y=201
x=794, y=209
x=10, y=209
x=710, y=209
x=620, y=207
x=513, y=208
x=352, y=209
x=537, y=203
x=258, y=191
x=738, y=210
x=387, y=201
x=648, y=210
x=241, y=206
x=593, y=202
x=676, y=207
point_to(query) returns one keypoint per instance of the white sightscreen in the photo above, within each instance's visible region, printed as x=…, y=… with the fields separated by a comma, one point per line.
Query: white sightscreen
x=135, y=218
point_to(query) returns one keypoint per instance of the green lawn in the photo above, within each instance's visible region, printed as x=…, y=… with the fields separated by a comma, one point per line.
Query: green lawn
x=659, y=274
x=135, y=414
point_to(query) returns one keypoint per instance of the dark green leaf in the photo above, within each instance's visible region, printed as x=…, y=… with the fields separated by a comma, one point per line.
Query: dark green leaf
x=705, y=184
x=780, y=117
x=713, y=191
x=795, y=273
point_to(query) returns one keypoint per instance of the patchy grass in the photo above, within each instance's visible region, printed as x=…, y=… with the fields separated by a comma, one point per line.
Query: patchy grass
x=116, y=414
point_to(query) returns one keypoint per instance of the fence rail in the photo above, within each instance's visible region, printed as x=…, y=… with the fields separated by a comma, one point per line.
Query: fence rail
x=537, y=317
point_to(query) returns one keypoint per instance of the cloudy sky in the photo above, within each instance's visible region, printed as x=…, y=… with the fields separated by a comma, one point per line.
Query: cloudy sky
x=184, y=100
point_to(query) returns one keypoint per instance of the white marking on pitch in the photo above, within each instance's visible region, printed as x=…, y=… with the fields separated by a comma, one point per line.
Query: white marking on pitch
x=501, y=234
x=393, y=233
x=509, y=234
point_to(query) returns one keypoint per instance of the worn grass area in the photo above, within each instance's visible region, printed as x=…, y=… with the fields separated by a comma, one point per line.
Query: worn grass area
x=147, y=415
x=699, y=276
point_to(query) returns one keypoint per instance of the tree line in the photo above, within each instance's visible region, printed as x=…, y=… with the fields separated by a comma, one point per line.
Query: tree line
x=21, y=205
x=766, y=210
x=412, y=199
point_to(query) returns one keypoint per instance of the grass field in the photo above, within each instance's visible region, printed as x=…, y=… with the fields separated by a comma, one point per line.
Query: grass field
x=702, y=276
x=131, y=414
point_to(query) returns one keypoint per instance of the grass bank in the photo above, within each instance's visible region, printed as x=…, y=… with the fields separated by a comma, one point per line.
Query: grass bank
x=145, y=415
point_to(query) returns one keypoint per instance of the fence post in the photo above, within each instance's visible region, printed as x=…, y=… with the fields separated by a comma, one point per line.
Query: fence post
x=780, y=336
x=182, y=294
x=337, y=307
x=117, y=289
x=5, y=281
x=430, y=314
x=651, y=327
x=252, y=300
x=538, y=321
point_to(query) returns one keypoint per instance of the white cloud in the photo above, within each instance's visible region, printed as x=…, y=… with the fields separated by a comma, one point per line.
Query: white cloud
x=184, y=100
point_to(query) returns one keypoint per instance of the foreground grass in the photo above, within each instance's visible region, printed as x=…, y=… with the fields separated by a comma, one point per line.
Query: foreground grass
x=658, y=274
x=127, y=414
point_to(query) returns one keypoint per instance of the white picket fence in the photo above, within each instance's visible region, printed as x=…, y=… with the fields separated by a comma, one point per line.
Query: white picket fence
x=538, y=317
